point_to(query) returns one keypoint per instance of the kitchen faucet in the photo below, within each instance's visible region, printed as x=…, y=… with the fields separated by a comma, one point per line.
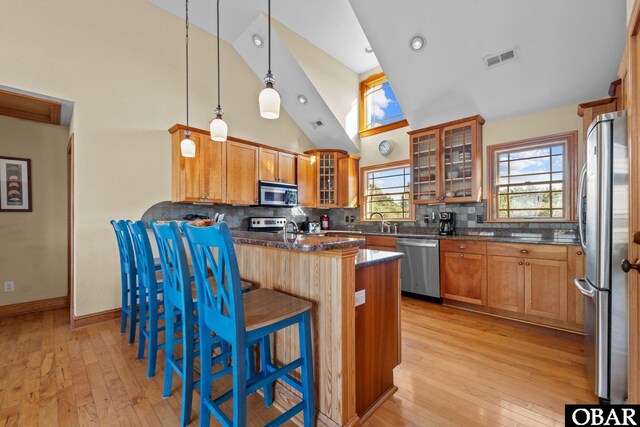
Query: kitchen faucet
x=295, y=231
x=381, y=220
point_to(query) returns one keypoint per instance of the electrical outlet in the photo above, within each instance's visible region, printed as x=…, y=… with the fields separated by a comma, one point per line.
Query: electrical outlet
x=346, y=218
x=479, y=219
x=353, y=218
x=360, y=297
x=9, y=286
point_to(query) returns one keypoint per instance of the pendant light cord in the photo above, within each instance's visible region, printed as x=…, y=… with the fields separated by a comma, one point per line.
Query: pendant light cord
x=218, y=41
x=269, y=9
x=186, y=41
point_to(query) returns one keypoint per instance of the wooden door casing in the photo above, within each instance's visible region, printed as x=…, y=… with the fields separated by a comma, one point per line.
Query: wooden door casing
x=545, y=288
x=505, y=283
x=463, y=277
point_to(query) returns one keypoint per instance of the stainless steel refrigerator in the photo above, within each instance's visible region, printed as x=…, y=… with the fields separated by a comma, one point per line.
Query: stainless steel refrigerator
x=603, y=219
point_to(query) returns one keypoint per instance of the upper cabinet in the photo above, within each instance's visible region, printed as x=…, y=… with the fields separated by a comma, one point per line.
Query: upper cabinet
x=242, y=173
x=286, y=168
x=446, y=162
x=306, y=174
x=201, y=178
x=337, y=178
x=277, y=166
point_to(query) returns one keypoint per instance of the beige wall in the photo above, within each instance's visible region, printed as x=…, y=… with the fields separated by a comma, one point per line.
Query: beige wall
x=629, y=9
x=33, y=245
x=122, y=63
x=338, y=85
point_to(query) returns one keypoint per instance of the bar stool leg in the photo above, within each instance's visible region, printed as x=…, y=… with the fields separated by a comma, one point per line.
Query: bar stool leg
x=205, y=378
x=304, y=328
x=265, y=359
x=133, y=307
x=169, y=335
x=239, y=387
x=123, y=312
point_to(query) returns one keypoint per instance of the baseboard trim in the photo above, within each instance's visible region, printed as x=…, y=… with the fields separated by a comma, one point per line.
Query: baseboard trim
x=94, y=318
x=377, y=404
x=33, y=306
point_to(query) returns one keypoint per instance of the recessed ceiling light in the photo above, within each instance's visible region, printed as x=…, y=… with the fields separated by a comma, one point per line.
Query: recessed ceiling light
x=368, y=49
x=417, y=43
x=302, y=99
x=257, y=40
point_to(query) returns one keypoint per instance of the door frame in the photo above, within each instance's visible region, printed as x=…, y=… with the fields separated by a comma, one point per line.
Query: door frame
x=70, y=227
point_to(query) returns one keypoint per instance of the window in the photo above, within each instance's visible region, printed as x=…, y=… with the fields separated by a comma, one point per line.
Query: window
x=385, y=189
x=379, y=108
x=533, y=179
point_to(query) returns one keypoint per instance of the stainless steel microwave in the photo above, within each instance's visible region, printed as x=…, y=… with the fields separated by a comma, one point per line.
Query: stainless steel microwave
x=277, y=194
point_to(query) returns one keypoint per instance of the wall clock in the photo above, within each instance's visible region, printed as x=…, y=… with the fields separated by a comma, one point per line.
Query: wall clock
x=385, y=147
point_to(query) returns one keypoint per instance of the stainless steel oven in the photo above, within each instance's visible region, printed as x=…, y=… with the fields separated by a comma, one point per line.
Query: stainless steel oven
x=277, y=194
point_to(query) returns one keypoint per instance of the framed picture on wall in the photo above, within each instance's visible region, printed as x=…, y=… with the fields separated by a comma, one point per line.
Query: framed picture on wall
x=15, y=185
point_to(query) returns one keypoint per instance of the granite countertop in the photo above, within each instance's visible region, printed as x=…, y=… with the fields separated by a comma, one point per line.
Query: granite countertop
x=368, y=257
x=305, y=243
x=532, y=237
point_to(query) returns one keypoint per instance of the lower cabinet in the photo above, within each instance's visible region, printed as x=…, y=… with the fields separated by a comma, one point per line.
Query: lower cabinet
x=463, y=272
x=522, y=281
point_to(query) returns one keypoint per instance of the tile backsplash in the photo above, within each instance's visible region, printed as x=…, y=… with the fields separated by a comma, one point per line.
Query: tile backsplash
x=237, y=216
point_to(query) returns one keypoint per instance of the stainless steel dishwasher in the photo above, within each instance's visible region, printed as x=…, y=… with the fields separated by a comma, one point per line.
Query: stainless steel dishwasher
x=420, y=268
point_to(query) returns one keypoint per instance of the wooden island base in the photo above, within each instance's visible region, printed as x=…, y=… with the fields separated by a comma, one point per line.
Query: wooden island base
x=355, y=349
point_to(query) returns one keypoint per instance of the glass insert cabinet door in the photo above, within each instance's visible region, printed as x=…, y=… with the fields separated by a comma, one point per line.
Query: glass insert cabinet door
x=457, y=158
x=425, y=169
x=327, y=179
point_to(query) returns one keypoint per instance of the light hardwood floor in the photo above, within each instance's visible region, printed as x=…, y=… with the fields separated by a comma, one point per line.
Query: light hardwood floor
x=458, y=368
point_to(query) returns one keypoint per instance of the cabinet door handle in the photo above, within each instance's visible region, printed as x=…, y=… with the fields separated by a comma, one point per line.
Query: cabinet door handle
x=524, y=251
x=461, y=255
x=579, y=252
x=520, y=263
x=527, y=263
x=461, y=247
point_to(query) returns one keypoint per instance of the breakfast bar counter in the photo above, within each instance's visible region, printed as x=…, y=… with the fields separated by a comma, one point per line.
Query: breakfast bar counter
x=353, y=355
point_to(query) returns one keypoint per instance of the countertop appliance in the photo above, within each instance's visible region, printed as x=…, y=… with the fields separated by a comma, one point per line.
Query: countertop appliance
x=267, y=224
x=314, y=227
x=603, y=222
x=277, y=194
x=447, y=223
x=420, y=268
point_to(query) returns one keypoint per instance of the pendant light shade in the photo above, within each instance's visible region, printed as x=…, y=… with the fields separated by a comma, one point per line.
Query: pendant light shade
x=217, y=127
x=188, y=147
x=269, y=98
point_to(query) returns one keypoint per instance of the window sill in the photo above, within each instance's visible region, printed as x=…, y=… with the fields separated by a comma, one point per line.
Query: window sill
x=377, y=220
x=384, y=128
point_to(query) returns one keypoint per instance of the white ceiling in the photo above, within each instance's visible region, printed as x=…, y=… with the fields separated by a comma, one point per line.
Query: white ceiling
x=569, y=52
x=329, y=24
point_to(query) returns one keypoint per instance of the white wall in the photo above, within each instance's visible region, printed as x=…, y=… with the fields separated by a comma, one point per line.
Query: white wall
x=122, y=63
x=33, y=245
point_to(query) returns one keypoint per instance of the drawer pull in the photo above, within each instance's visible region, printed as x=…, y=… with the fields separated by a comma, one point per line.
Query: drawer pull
x=520, y=263
x=524, y=251
x=462, y=247
x=461, y=255
x=579, y=252
x=527, y=263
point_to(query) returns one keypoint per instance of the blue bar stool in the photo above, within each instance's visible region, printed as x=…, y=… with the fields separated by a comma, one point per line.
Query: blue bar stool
x=178, y=304
x=128, y=276
x=242, y=320
x=150, y=290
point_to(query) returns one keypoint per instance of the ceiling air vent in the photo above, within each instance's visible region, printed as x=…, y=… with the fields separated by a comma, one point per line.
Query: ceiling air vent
x=493, y=60
x=316, y=124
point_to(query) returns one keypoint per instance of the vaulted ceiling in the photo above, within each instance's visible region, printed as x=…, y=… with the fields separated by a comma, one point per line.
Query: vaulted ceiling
x=568, y=51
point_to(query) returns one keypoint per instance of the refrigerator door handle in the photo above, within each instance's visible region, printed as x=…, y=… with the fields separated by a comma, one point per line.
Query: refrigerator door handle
x=581, y=188
x=583, y=287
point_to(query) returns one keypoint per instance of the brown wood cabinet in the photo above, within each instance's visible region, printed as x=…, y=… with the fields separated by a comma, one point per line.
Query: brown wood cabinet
x=336, y=178
x=242, y=173
x=529, y=279
x=201, y=178
x=276, y=166
x=446, y=162
x=463, y=272
x=306, y=174
x=381, y=243
x=589, y=110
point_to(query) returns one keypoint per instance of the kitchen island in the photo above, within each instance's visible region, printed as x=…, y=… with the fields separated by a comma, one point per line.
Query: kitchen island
x=355, y=348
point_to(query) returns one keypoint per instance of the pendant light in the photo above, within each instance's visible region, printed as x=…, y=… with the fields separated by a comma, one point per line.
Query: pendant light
x=187, y=146
x=218, y=127
x=269, y=98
